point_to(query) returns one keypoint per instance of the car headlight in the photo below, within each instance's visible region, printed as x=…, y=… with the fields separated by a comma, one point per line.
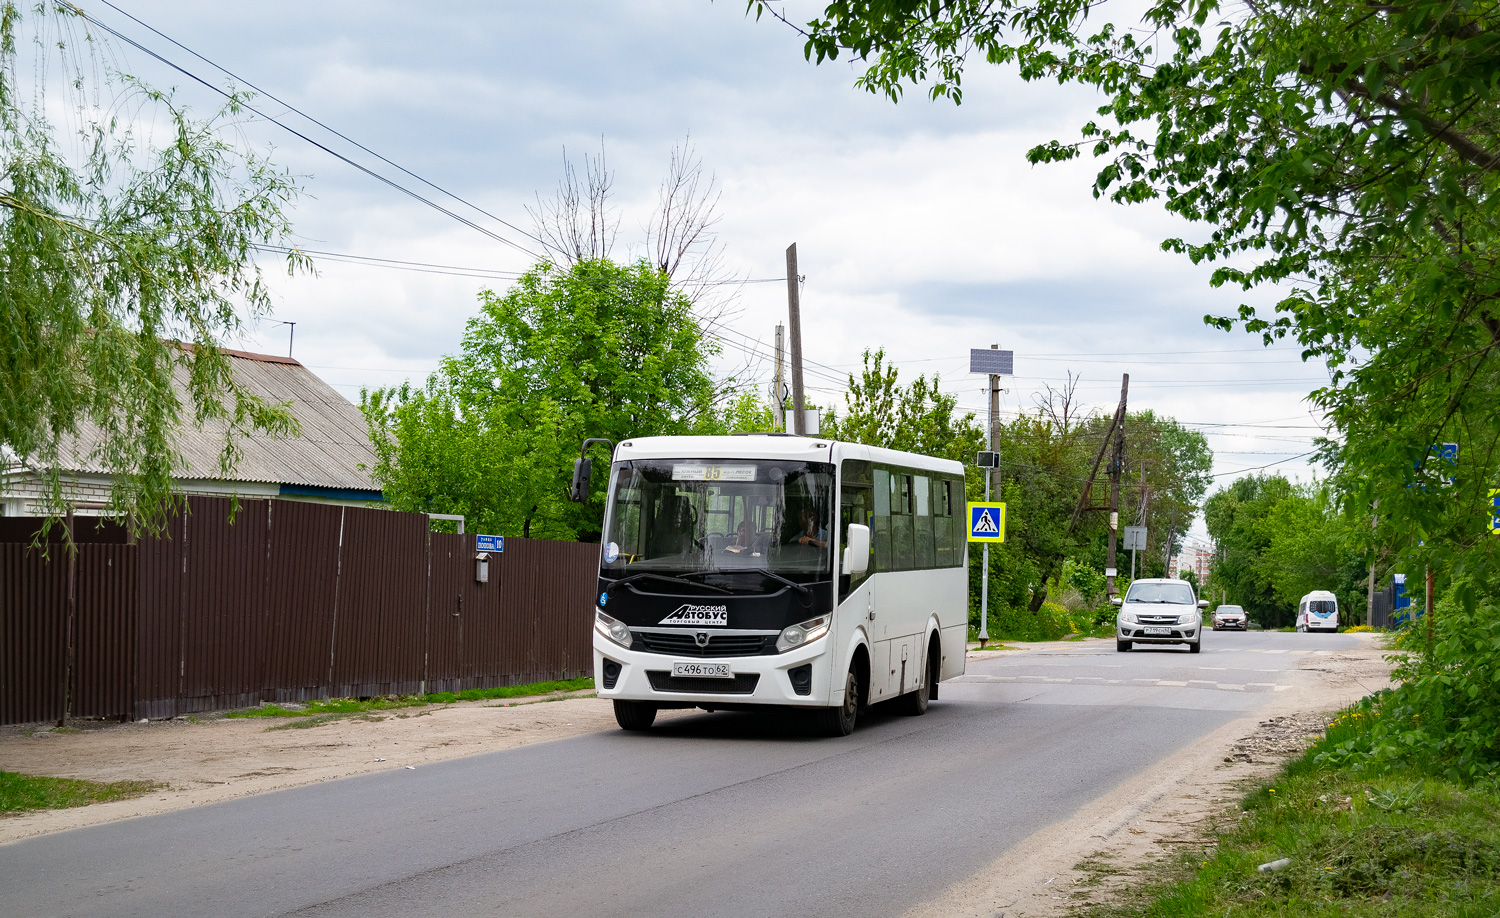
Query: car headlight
x=612, y=628
x=1127, y=618
x=801, y=633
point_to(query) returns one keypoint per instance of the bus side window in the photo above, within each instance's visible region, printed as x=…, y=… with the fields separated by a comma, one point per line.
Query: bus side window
x=880, y=534
x=903, y=552
x=942, y=529
x=922, y=518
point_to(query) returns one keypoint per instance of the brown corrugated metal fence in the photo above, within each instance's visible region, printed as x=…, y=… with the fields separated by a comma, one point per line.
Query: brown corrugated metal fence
x=287, y=601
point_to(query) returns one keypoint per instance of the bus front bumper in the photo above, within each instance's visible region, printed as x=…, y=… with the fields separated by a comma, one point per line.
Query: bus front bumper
x=633, y=675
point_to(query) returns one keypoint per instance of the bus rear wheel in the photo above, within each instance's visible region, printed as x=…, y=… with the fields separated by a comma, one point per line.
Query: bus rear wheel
x=635, y=715
x=839, y=721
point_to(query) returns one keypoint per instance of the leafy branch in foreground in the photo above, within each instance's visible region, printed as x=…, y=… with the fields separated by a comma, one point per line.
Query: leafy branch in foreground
x=1343, y=153
x=123, y=266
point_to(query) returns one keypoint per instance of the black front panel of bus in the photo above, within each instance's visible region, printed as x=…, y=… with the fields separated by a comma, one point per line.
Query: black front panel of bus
x=648, y=605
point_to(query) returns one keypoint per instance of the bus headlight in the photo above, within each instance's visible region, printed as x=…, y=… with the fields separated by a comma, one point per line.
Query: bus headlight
x=612, y=628
x=802, y=633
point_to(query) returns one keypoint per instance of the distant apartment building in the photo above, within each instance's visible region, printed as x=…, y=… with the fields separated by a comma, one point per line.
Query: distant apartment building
x=1195, y=558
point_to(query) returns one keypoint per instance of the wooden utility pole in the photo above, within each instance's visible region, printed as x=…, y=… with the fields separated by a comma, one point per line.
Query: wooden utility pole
x=1116, y=467
x=794, y=321
x=1085, y=500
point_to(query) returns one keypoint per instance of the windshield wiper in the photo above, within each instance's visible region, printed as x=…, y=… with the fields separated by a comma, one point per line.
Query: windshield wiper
x=644, y=575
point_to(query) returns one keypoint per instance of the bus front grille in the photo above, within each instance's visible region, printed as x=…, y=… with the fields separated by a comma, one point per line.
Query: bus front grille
x=719, y=645
x=742, y=684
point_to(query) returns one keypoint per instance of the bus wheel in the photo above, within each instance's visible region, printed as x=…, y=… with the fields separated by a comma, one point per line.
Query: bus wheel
x=635, y=715
x=839, y=721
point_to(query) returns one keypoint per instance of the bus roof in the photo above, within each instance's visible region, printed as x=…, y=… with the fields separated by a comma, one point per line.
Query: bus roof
x=775, y=446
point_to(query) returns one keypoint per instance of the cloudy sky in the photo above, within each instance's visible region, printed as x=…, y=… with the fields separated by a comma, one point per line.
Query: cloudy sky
x=920, y=227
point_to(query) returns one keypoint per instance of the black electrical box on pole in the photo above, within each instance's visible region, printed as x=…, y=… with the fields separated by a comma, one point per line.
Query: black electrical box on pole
x=794, y=323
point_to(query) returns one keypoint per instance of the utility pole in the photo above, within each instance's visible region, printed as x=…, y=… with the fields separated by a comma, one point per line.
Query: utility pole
x=794, y=319
x=778, y=387
x=1085, y=499
x=1171, y=534
x=1370, y=588
x=994, y=473
x=1116, y=467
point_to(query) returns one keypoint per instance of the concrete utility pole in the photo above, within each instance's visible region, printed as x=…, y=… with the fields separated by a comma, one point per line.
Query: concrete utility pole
x=794, y=319
x=1116, y=466
x=994, y=473
x=778, y=390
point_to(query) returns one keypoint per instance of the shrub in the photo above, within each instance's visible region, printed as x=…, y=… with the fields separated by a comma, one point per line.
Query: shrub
x=1443, y=716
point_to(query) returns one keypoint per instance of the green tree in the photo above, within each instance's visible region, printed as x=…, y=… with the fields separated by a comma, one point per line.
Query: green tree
x=917, y=418
x=1311, y=546
x=123, y=266
x=594, y=349
x=1347, y=153
x=1235, y=518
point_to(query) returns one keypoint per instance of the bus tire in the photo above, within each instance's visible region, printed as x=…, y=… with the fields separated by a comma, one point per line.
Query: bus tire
x=839, y=721
x=635, y=715
x=1122, y=646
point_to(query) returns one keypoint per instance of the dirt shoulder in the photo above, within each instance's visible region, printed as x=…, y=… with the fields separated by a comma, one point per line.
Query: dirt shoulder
x=207, y=759
x=1112, y=840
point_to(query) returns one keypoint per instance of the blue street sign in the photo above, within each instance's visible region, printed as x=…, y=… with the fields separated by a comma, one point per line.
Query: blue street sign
x=1495, y=511
x=987, y=521
x=489, y=543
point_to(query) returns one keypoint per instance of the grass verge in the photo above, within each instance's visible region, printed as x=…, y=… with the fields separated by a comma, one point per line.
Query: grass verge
x=334, y=708
x=24, y=793
x=1403, y=843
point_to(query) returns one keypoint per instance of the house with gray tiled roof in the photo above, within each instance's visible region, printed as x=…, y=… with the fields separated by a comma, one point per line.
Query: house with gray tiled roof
x=328, y=462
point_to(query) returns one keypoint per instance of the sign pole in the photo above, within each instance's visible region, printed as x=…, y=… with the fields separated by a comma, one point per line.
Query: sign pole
x=984, y=581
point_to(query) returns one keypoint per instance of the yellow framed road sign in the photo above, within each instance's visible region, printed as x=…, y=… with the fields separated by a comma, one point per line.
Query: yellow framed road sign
x=1495, y=511
x=987, y=521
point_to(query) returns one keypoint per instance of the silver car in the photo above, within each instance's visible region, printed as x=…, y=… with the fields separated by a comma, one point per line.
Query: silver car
x=1226, y=617
x=1159, y=611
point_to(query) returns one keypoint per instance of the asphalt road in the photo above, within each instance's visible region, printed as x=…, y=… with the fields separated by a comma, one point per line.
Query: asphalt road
x=710, y=814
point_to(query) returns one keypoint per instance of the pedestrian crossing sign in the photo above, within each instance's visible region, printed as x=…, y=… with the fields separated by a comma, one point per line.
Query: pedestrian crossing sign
x=1495, y=511
x=987, y=522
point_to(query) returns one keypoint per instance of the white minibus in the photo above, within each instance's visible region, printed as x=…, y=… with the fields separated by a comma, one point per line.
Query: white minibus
x=1318, y=611
x=764, y=570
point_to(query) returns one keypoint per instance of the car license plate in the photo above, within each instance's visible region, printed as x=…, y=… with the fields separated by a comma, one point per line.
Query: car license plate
x=711, y=670
x=1158, y=630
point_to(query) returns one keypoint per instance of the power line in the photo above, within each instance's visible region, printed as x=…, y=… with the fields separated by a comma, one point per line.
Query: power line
x=296, y=133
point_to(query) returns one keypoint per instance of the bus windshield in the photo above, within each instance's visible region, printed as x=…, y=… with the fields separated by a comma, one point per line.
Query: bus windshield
x=685, y=516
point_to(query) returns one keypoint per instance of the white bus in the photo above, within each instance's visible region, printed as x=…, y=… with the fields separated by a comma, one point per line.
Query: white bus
x=767, y=569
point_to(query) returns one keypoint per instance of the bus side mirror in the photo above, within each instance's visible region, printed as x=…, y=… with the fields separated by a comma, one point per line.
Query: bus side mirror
x=580, y=490
x=857, y=549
